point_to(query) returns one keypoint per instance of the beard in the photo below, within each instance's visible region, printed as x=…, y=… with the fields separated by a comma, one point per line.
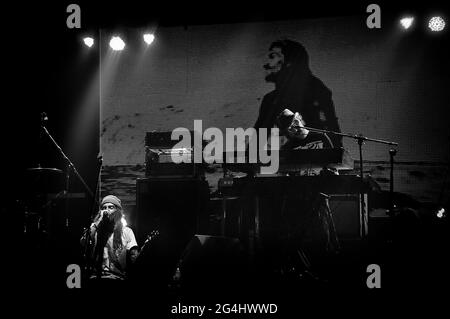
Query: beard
x=271, y=77
x=275, y=74
x=108, y=222
x=272, y=73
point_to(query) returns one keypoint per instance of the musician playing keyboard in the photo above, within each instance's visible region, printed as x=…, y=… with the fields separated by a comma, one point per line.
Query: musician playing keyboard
x=291, y=217
x=298, y=218
x=294, y=136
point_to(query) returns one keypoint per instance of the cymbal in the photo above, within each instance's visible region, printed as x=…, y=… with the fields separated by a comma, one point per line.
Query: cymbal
x=43, y=180
x=44, y=170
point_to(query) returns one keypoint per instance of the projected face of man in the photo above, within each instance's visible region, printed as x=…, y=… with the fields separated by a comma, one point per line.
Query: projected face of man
x=275, y=61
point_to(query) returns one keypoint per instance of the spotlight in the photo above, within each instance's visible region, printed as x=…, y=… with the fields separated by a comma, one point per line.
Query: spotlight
x=406, y=22
x=436, y=24
x=88, y=41
x=148, y=38
x=117, y=44
x=441, y=213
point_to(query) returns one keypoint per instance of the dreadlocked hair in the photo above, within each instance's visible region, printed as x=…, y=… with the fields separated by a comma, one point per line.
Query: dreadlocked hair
x=118, y=229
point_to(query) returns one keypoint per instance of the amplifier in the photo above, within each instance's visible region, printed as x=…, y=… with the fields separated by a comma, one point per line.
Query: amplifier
x=173, y=206
x=159, y=149
x=159, y=163
x=349, y=218
x=159, y=140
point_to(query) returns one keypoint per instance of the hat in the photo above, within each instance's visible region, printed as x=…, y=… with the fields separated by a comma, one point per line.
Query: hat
x=285, y=119
x=113, y=200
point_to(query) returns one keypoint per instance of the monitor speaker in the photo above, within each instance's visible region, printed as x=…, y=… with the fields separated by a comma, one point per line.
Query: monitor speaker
x=212, y=262
x=171, y=206
x=347, y=215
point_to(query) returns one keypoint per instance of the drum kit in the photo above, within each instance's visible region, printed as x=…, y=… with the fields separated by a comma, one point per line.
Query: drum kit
x=43, y=189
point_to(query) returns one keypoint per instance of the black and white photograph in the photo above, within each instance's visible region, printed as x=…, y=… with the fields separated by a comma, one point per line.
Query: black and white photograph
x=227, y=159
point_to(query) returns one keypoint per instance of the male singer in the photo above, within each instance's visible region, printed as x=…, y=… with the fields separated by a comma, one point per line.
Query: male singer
x=112, y=240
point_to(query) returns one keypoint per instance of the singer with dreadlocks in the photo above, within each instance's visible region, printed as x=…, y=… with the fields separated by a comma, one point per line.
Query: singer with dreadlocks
x=112, y=241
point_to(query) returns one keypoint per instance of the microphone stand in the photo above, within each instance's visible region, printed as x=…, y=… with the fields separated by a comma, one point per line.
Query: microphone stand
x=95, y=203
x=360, y=139
x=71, y=167
x=44, y=119
x=391, y=210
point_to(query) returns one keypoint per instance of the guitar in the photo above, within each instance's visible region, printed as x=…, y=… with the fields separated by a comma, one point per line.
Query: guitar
x=150, y=238
x=154, y=234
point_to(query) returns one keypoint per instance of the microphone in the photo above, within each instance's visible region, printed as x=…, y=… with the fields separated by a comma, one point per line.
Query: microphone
x=106, y=224
x=100, y=158
x=105, y=214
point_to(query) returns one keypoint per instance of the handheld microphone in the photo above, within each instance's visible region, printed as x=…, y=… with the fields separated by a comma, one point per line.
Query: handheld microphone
x=105, y=214
x=106, y=224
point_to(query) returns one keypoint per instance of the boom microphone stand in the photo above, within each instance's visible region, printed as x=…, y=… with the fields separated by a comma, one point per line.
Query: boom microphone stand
x=361, y=139
x=70, y=168
x=87, y=253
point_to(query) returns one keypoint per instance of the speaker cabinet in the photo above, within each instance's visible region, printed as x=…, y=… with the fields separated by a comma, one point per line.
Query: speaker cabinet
x=349, y=219
x=171, y=206
x=212, y=262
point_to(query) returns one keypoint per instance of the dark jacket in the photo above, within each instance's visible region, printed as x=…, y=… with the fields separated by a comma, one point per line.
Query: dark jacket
x=312, y=100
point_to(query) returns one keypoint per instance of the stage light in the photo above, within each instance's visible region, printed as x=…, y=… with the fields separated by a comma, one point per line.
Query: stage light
x=440, y=213
x=436, y=24
x=406, y=22
x=148, y=38
x=117, y=44
x=88, y=41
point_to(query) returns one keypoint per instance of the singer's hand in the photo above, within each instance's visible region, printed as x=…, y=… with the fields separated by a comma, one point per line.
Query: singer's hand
x=103, y=216
x=97, y=222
